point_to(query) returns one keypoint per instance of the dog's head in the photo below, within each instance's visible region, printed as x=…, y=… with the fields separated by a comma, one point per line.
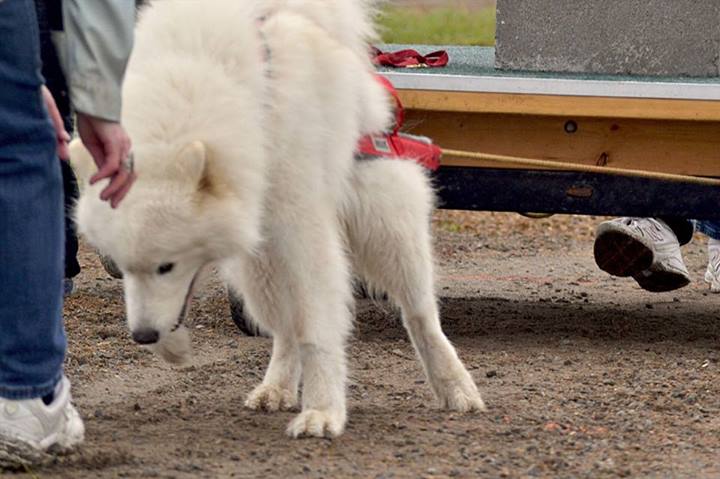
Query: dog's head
x=174, y=222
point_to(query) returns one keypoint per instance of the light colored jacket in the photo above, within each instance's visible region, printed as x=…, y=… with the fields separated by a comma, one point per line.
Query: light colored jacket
x=94, y=49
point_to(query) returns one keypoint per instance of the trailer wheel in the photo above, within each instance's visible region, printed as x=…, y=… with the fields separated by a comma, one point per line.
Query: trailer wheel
x=241, y=320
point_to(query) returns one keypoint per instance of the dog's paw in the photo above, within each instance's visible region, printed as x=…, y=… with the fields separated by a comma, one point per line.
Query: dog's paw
x=462, y=397
x=268, y=397
x=317, y=423
x=175, y=348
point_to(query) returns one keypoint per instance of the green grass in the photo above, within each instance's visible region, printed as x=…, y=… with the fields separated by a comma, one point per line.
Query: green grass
x=443, y=26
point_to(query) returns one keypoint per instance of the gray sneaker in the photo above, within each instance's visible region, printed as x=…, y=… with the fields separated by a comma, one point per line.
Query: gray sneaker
x=29, y=428
x=644, y=248
x=712, y=274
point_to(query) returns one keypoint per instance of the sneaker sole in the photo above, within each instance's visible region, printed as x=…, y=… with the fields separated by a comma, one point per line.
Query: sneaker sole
x=17, y=455
x=714, y=285
x=661, y=281
x=619, y=254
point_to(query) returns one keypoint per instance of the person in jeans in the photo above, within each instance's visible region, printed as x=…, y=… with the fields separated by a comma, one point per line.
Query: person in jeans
x=648, y=249
x=49, y=14
x=35, y=405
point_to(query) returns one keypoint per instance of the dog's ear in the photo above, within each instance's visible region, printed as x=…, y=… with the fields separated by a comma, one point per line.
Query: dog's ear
x=192, y=160
x=81, y=161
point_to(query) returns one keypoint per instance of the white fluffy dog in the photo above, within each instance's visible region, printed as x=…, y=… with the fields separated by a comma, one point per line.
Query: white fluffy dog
x=244, y=117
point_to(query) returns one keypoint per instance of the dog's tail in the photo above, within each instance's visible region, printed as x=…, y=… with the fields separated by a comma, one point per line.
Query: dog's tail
x=376, y=108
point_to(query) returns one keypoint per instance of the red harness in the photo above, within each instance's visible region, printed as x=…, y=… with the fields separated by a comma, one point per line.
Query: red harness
x=394, y=144
x=410, y=59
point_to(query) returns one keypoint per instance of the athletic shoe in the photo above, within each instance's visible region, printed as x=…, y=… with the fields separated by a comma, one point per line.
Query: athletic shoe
x=644, y=248
x=29, y=428
x=712, y=274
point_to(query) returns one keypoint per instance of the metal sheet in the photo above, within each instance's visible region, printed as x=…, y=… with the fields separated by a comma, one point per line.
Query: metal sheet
x=472, y=69
x=554, y=86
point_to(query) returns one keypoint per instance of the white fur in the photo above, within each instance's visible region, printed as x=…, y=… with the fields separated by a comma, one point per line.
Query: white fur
x=246, y=160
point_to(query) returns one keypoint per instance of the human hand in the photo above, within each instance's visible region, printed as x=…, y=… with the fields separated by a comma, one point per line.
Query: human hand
x=62, y=137
x=109, y=145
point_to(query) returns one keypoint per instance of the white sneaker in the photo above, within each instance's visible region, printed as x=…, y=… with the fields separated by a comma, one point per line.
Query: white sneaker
x=28, y=428
x=712, y=274
x=644, y=248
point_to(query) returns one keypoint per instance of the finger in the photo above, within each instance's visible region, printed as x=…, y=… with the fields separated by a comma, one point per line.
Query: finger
x=96, y=151
x=110, y=163
x=118, y=197
x=53, y=111
x=63, y=150
x=63, y=146
x=57, y=122
x=116, y=183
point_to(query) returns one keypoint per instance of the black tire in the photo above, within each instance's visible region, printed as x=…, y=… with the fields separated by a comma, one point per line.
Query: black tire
x=361, y=292
x=241, y=320
x=110, y=267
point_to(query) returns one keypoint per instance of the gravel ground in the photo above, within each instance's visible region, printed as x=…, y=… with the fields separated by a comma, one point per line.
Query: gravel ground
x=584, y=375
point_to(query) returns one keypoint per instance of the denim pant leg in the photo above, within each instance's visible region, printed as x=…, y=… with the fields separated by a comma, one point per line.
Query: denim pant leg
x=709, y=227
x=32, y=340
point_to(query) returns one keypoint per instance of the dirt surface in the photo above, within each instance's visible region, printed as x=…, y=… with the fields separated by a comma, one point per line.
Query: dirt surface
x=584, y=375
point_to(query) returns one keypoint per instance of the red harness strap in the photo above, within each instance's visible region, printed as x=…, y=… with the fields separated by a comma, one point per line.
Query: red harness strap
x=410, y=59
x=399, y=145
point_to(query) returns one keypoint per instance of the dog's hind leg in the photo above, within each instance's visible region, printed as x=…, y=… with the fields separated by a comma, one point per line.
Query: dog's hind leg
x=278, y=390
x=388, y=225
x=279, y=387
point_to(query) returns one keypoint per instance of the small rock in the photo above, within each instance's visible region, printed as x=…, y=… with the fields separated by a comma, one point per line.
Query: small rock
x=491, y=374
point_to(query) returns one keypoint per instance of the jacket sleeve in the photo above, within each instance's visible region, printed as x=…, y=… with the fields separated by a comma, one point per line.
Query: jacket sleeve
x=95, y=48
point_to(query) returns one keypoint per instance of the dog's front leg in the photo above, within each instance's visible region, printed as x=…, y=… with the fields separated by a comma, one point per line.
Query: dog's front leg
x=323, y=400
x=322, y=321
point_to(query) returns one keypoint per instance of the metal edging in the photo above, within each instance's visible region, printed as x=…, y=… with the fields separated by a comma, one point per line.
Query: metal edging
x=663, y=90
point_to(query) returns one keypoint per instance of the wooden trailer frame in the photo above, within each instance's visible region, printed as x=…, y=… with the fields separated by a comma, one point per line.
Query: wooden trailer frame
x=653, y=124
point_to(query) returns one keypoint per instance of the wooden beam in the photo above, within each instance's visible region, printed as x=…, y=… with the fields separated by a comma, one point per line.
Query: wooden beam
x=559, y=105
x=683, y=147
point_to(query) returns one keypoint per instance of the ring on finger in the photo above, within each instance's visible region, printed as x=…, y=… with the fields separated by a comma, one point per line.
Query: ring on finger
x=129, y=163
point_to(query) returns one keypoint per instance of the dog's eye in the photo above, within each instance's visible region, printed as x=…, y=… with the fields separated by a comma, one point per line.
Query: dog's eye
x=165, y=268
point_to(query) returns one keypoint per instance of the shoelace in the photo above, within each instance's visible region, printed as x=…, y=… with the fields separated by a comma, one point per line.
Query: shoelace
x=646, y=227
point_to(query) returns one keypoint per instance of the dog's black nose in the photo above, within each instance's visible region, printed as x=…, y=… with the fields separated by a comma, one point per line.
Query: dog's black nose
x=146, y=336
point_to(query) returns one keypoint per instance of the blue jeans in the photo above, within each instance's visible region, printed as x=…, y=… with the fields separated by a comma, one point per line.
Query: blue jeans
x=32, y=340
x=709, y=228
x=684, y=228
